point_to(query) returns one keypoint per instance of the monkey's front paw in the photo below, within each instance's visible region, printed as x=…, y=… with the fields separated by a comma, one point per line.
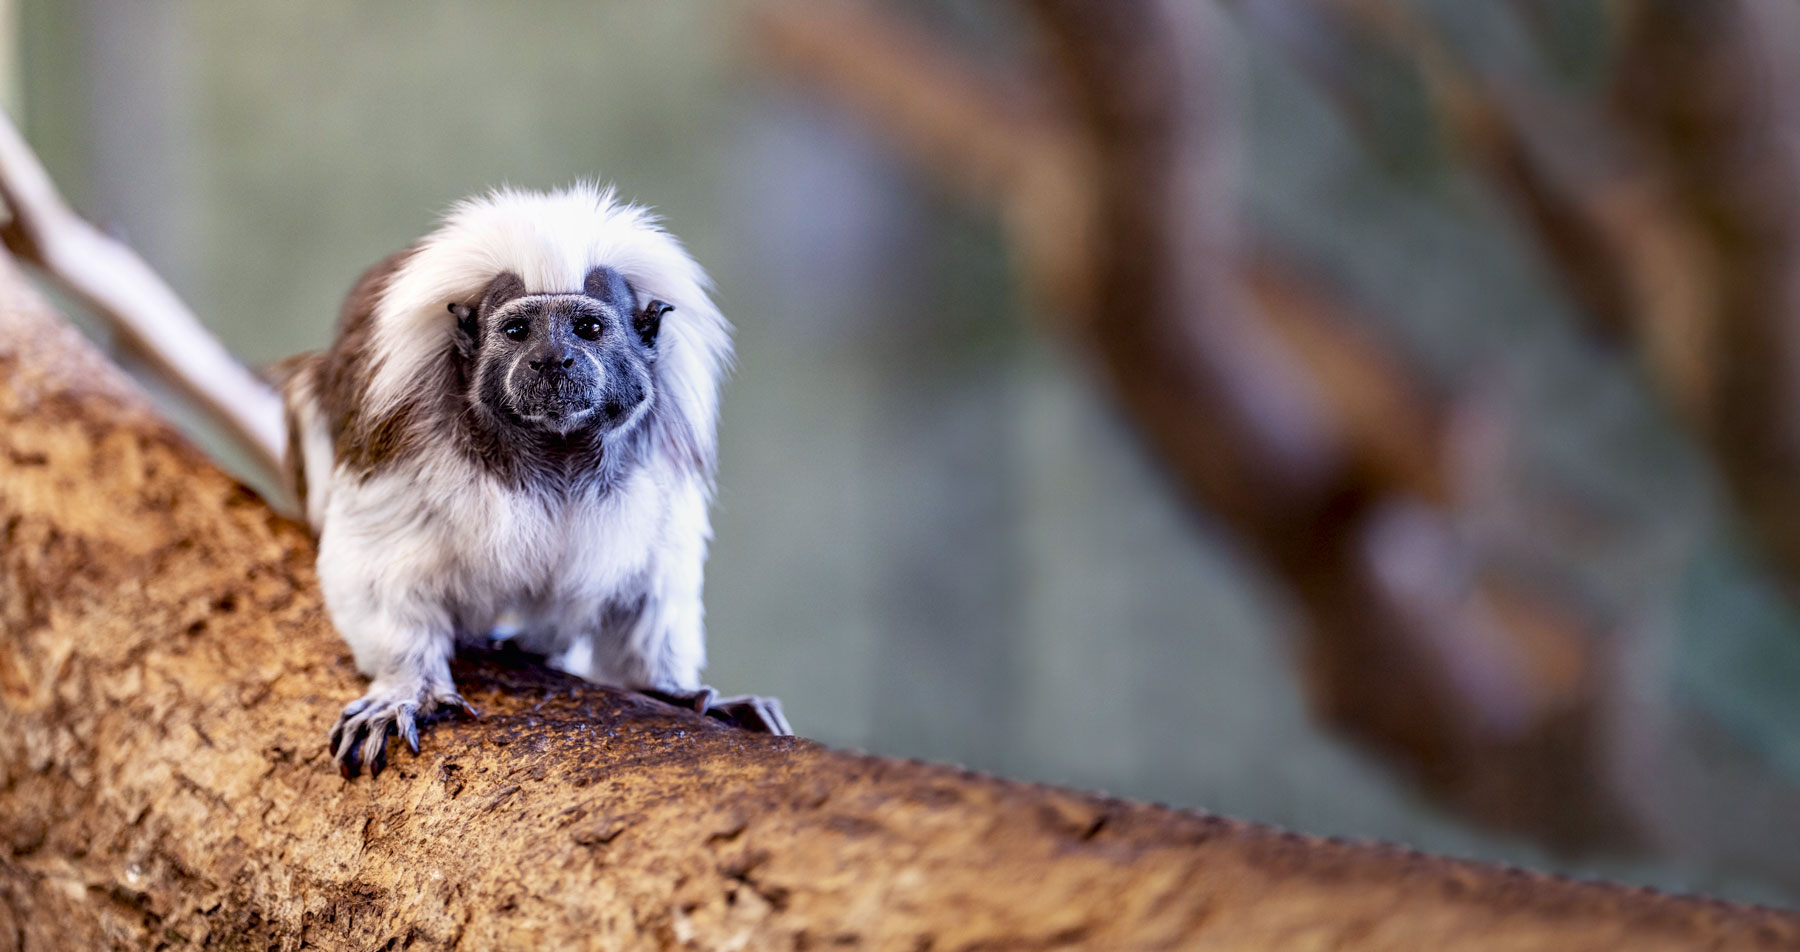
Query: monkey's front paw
x=360, y=736
x=750, y=712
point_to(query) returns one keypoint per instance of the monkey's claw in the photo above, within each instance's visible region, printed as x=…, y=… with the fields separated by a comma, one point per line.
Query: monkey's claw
x=751, y=712
x=359, y=738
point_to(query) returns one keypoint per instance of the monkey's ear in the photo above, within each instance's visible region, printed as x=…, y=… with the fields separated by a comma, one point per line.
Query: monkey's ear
x=465, y=318
x=648, y=322
x=502, y=289
x=468, y=330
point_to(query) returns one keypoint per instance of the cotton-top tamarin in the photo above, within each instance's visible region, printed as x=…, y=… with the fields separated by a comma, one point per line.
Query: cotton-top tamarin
x=512, y=435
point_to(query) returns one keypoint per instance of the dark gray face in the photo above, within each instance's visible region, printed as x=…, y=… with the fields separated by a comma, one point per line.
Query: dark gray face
x=560, y=363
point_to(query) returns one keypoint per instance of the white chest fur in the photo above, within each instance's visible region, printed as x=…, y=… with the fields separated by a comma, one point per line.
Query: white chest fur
x=470, y=551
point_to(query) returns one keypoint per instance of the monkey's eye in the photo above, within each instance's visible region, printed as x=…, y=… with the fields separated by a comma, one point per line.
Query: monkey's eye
x=516, y=329
x=587, y=328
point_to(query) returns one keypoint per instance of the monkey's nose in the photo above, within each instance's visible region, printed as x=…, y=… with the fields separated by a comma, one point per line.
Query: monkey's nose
x=545, y=364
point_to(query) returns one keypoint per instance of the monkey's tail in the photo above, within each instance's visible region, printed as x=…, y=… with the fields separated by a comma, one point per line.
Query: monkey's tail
x=142, y=311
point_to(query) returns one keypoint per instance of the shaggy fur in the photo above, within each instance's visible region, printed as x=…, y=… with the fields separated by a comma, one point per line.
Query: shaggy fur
x=444, y=516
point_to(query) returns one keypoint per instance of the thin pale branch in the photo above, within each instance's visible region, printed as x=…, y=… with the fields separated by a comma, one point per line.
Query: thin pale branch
x=110, y=278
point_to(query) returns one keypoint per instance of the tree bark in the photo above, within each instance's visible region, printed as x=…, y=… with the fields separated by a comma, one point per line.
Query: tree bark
x=167, y=674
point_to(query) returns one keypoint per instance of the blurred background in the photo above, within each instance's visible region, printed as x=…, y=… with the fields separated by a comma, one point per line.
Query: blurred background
x=1374, y=417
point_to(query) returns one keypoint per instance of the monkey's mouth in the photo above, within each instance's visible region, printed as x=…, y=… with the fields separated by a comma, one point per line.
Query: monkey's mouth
x=552, y=406
x=571, y=414
x=561, y=416
x=563, y=406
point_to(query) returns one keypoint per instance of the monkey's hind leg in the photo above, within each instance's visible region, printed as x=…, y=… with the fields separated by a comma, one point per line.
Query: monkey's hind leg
x=762, y=715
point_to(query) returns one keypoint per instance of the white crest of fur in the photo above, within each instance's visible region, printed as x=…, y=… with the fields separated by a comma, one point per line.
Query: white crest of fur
x=551, y=240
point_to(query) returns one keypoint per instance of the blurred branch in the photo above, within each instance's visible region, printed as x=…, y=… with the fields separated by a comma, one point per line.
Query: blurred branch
x=1710, y=94
x=998, y=140
x=1267, y=402
x=1324, y=40
x=987, y=134
x=1672, y=212
x=1601, y=216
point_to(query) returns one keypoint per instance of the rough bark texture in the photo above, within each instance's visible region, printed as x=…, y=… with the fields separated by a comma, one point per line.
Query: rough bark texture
x=167, y=674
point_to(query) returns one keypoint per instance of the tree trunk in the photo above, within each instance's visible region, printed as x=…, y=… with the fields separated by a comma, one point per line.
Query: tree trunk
x=167, y=675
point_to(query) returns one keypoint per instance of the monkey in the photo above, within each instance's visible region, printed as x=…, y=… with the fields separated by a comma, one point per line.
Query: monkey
x=512, y=437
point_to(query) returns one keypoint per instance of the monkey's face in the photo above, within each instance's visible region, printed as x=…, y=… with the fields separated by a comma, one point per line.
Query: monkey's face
x=559, y=363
